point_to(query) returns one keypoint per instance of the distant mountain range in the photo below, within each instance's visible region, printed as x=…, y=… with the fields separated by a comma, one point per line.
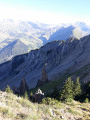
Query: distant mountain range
x=62, y=57
x=20, y=37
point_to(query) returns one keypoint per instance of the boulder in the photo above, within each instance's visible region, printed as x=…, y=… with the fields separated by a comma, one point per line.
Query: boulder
x=38, y=96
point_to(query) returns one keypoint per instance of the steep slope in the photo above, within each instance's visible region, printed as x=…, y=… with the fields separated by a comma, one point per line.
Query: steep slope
x=61, y=57
x=62, y=34
x=15, y=48
x=18, y=46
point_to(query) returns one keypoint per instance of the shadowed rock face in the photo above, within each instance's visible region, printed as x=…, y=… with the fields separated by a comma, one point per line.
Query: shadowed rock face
x=60, y=56
x=44, y=74
x=23, y=87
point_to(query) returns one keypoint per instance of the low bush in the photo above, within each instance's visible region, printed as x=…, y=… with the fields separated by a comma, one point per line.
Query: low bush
x=49, y=101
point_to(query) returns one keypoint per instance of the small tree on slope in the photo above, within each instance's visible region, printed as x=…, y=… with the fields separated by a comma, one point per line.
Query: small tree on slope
x=77, y=88
x=67, y=91
x=8, y=90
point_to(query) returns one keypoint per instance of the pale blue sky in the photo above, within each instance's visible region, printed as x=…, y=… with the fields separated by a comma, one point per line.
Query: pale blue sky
x=46, y=10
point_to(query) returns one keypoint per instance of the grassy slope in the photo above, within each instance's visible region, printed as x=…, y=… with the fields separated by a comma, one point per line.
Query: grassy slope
x=17, y=108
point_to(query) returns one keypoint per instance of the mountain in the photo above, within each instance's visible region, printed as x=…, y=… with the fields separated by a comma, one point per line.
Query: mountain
x=15, y=48
x=26, y=32
x=10, y=29
x=83, y=26
x=61, y=58
x=34, y=35
x=64, y=33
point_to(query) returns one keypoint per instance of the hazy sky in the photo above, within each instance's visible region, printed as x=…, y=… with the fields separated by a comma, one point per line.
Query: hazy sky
x=47, y=11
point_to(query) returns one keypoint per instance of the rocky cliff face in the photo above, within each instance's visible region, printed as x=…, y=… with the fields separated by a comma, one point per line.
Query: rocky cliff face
x=44, y=77
x=44, y=74
x=60, y=57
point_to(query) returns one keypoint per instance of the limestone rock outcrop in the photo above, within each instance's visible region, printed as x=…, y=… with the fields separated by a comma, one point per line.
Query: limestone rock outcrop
x=38, y=96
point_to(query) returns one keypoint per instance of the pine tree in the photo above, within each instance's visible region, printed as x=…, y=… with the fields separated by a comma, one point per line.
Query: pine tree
x=67, y=91
x=77, y=88
x=86, y=91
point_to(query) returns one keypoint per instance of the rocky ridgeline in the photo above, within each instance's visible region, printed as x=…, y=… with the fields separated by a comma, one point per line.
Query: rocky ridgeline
x=61, y=57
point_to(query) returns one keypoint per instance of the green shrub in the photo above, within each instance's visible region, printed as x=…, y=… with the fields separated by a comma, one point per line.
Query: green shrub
x=86, y=100
x=25, y=102
x=26, y=95
x=49, y=101
x=68, y=100
x=8, y=90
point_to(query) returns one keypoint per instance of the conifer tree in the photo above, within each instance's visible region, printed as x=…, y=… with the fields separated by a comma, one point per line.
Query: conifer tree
x=67, y=91
x=77, y=87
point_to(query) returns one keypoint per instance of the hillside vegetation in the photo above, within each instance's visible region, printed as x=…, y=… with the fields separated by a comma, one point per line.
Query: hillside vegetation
x=48, y=87
x=18, y=108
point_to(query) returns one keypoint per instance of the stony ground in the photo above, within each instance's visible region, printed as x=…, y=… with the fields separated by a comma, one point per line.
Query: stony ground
x=17, y=108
